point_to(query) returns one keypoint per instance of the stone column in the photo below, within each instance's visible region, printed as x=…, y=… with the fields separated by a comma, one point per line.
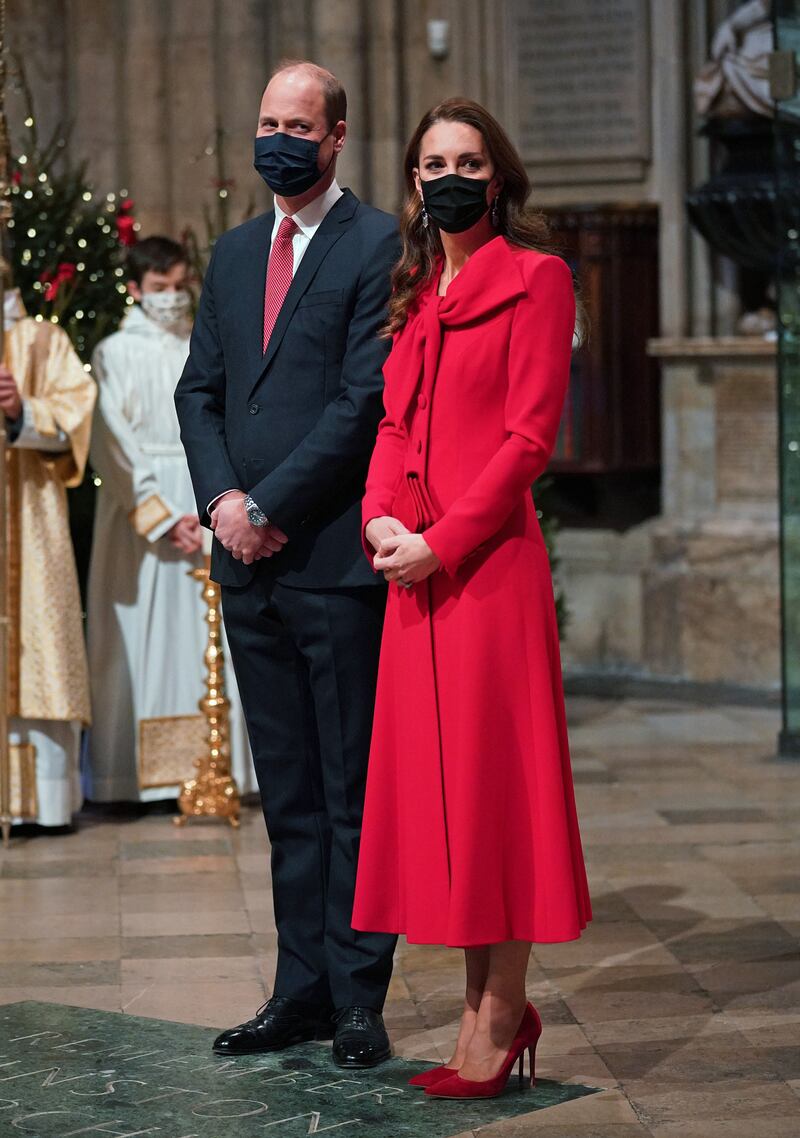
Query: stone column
x=190, y=102
x=247, y=47
x=143, y=79
x=670, y=153
x=38, y=33
x=340, y=45
x=387, y=124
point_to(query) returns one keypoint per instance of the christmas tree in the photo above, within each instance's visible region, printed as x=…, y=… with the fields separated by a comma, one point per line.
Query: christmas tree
x=67, y=244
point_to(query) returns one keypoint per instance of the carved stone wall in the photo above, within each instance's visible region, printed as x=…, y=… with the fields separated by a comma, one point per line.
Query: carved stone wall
x=146, y=83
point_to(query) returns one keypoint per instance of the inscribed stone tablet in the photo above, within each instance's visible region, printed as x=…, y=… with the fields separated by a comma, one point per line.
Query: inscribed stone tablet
x=69, y=1071
x=582, y=80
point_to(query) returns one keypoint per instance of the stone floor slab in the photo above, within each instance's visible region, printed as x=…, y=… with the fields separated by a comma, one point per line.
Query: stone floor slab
x=152, y=1074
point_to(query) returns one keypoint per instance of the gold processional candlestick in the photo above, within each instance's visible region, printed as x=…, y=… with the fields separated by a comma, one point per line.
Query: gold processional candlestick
x=212, y=793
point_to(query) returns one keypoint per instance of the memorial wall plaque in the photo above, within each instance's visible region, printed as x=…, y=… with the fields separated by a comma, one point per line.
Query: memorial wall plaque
x=582, y=83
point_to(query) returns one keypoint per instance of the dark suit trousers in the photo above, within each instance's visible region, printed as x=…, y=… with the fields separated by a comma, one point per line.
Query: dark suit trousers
x=306, y=664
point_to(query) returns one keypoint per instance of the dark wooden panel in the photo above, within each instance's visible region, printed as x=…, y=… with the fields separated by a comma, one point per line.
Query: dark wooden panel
x=611, y=422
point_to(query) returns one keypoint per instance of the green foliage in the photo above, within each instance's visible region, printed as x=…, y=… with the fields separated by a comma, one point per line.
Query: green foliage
x=549, y=528
x=67, y=246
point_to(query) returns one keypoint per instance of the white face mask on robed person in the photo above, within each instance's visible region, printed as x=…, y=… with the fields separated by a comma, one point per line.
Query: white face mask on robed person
x=167, y=309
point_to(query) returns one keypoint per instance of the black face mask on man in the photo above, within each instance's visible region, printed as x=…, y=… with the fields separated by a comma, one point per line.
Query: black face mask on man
x=454, y=202
x=288, y=164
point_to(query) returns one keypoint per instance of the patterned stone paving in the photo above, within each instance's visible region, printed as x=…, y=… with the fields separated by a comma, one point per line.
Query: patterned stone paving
x=682, y=1001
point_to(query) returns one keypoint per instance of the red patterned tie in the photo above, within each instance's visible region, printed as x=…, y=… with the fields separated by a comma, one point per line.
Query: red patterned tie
x=279, y=275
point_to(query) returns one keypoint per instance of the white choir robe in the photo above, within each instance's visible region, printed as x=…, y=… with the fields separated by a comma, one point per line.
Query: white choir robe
x=146, y=628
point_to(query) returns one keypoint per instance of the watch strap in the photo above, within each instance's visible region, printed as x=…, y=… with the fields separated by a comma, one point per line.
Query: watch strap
x=255, y=514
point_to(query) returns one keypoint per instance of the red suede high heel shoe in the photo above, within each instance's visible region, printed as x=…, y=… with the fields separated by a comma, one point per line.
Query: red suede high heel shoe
x=525, y=1040
x=432, y=1076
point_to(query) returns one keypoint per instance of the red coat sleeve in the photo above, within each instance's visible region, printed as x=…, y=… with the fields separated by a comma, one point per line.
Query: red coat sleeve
x=538, y=375
x=388, y=457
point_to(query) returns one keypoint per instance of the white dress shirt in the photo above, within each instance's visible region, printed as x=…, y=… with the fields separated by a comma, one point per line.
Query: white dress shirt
x=308, y=220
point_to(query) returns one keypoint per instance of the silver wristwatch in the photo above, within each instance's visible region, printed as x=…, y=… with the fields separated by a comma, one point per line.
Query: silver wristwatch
x=255, y=515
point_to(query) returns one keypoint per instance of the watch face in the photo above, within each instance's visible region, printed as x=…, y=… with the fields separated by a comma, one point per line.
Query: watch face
x=255, y=514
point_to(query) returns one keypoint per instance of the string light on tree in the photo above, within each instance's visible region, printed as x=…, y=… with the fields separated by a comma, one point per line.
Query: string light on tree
x=68, y=244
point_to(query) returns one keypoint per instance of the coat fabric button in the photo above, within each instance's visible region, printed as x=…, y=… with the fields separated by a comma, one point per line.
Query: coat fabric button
x=419, y=447
x=422, y=401
x=253, y=408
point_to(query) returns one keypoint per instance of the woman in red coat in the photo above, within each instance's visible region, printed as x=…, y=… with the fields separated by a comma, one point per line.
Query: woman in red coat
x=470, y=835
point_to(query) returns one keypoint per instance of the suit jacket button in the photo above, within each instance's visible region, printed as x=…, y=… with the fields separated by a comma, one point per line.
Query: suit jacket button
x=422, y=401
x=419, y=447
x=253, y=408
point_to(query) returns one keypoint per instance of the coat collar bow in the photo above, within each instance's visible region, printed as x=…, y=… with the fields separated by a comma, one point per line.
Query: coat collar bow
x=490, y=280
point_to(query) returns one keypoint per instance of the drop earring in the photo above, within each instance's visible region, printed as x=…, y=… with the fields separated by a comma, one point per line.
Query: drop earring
x=424, y=217
x=496, y=211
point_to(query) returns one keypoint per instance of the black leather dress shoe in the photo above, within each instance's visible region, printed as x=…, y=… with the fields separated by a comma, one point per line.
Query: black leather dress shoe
x=360, y=1039
x=279, y=1023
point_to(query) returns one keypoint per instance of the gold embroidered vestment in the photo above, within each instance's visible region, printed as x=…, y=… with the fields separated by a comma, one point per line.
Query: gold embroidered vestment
x=48, y=676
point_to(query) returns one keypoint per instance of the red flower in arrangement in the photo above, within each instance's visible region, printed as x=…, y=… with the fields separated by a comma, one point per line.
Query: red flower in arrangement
x=65, y=272
x=126, y=223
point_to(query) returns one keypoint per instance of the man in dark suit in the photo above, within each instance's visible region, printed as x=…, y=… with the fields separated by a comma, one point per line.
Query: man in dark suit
x=279, y=405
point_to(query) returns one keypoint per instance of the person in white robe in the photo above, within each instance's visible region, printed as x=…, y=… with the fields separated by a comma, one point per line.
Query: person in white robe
x=47, y=397
x=146, y=627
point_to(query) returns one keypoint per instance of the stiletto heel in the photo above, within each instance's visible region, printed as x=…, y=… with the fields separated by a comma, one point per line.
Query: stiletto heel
x=532, y=1060
x=525, y=1040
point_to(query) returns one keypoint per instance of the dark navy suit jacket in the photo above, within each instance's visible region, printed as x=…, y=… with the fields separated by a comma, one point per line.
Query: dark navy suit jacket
x=295, y=427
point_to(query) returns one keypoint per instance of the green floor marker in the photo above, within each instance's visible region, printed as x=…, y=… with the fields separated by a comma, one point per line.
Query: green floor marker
x=67, y=1071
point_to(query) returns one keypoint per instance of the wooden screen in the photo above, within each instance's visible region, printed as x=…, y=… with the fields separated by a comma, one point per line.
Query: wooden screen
x=611, y=421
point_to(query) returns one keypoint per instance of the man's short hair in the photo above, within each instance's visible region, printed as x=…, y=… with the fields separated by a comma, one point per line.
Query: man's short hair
x=154, y=254
x=332, y=90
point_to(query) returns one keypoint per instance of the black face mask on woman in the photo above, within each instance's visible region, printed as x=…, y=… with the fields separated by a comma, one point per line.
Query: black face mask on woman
x=288, y=164
x=454, y=202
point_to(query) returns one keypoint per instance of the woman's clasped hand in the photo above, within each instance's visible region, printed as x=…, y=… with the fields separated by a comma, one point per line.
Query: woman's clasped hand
x=402, y=557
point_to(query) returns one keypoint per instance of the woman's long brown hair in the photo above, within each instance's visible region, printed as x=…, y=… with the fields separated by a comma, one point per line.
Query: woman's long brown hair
x=422, y=246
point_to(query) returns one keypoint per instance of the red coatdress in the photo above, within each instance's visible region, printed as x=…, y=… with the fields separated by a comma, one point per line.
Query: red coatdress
x=470, y=835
